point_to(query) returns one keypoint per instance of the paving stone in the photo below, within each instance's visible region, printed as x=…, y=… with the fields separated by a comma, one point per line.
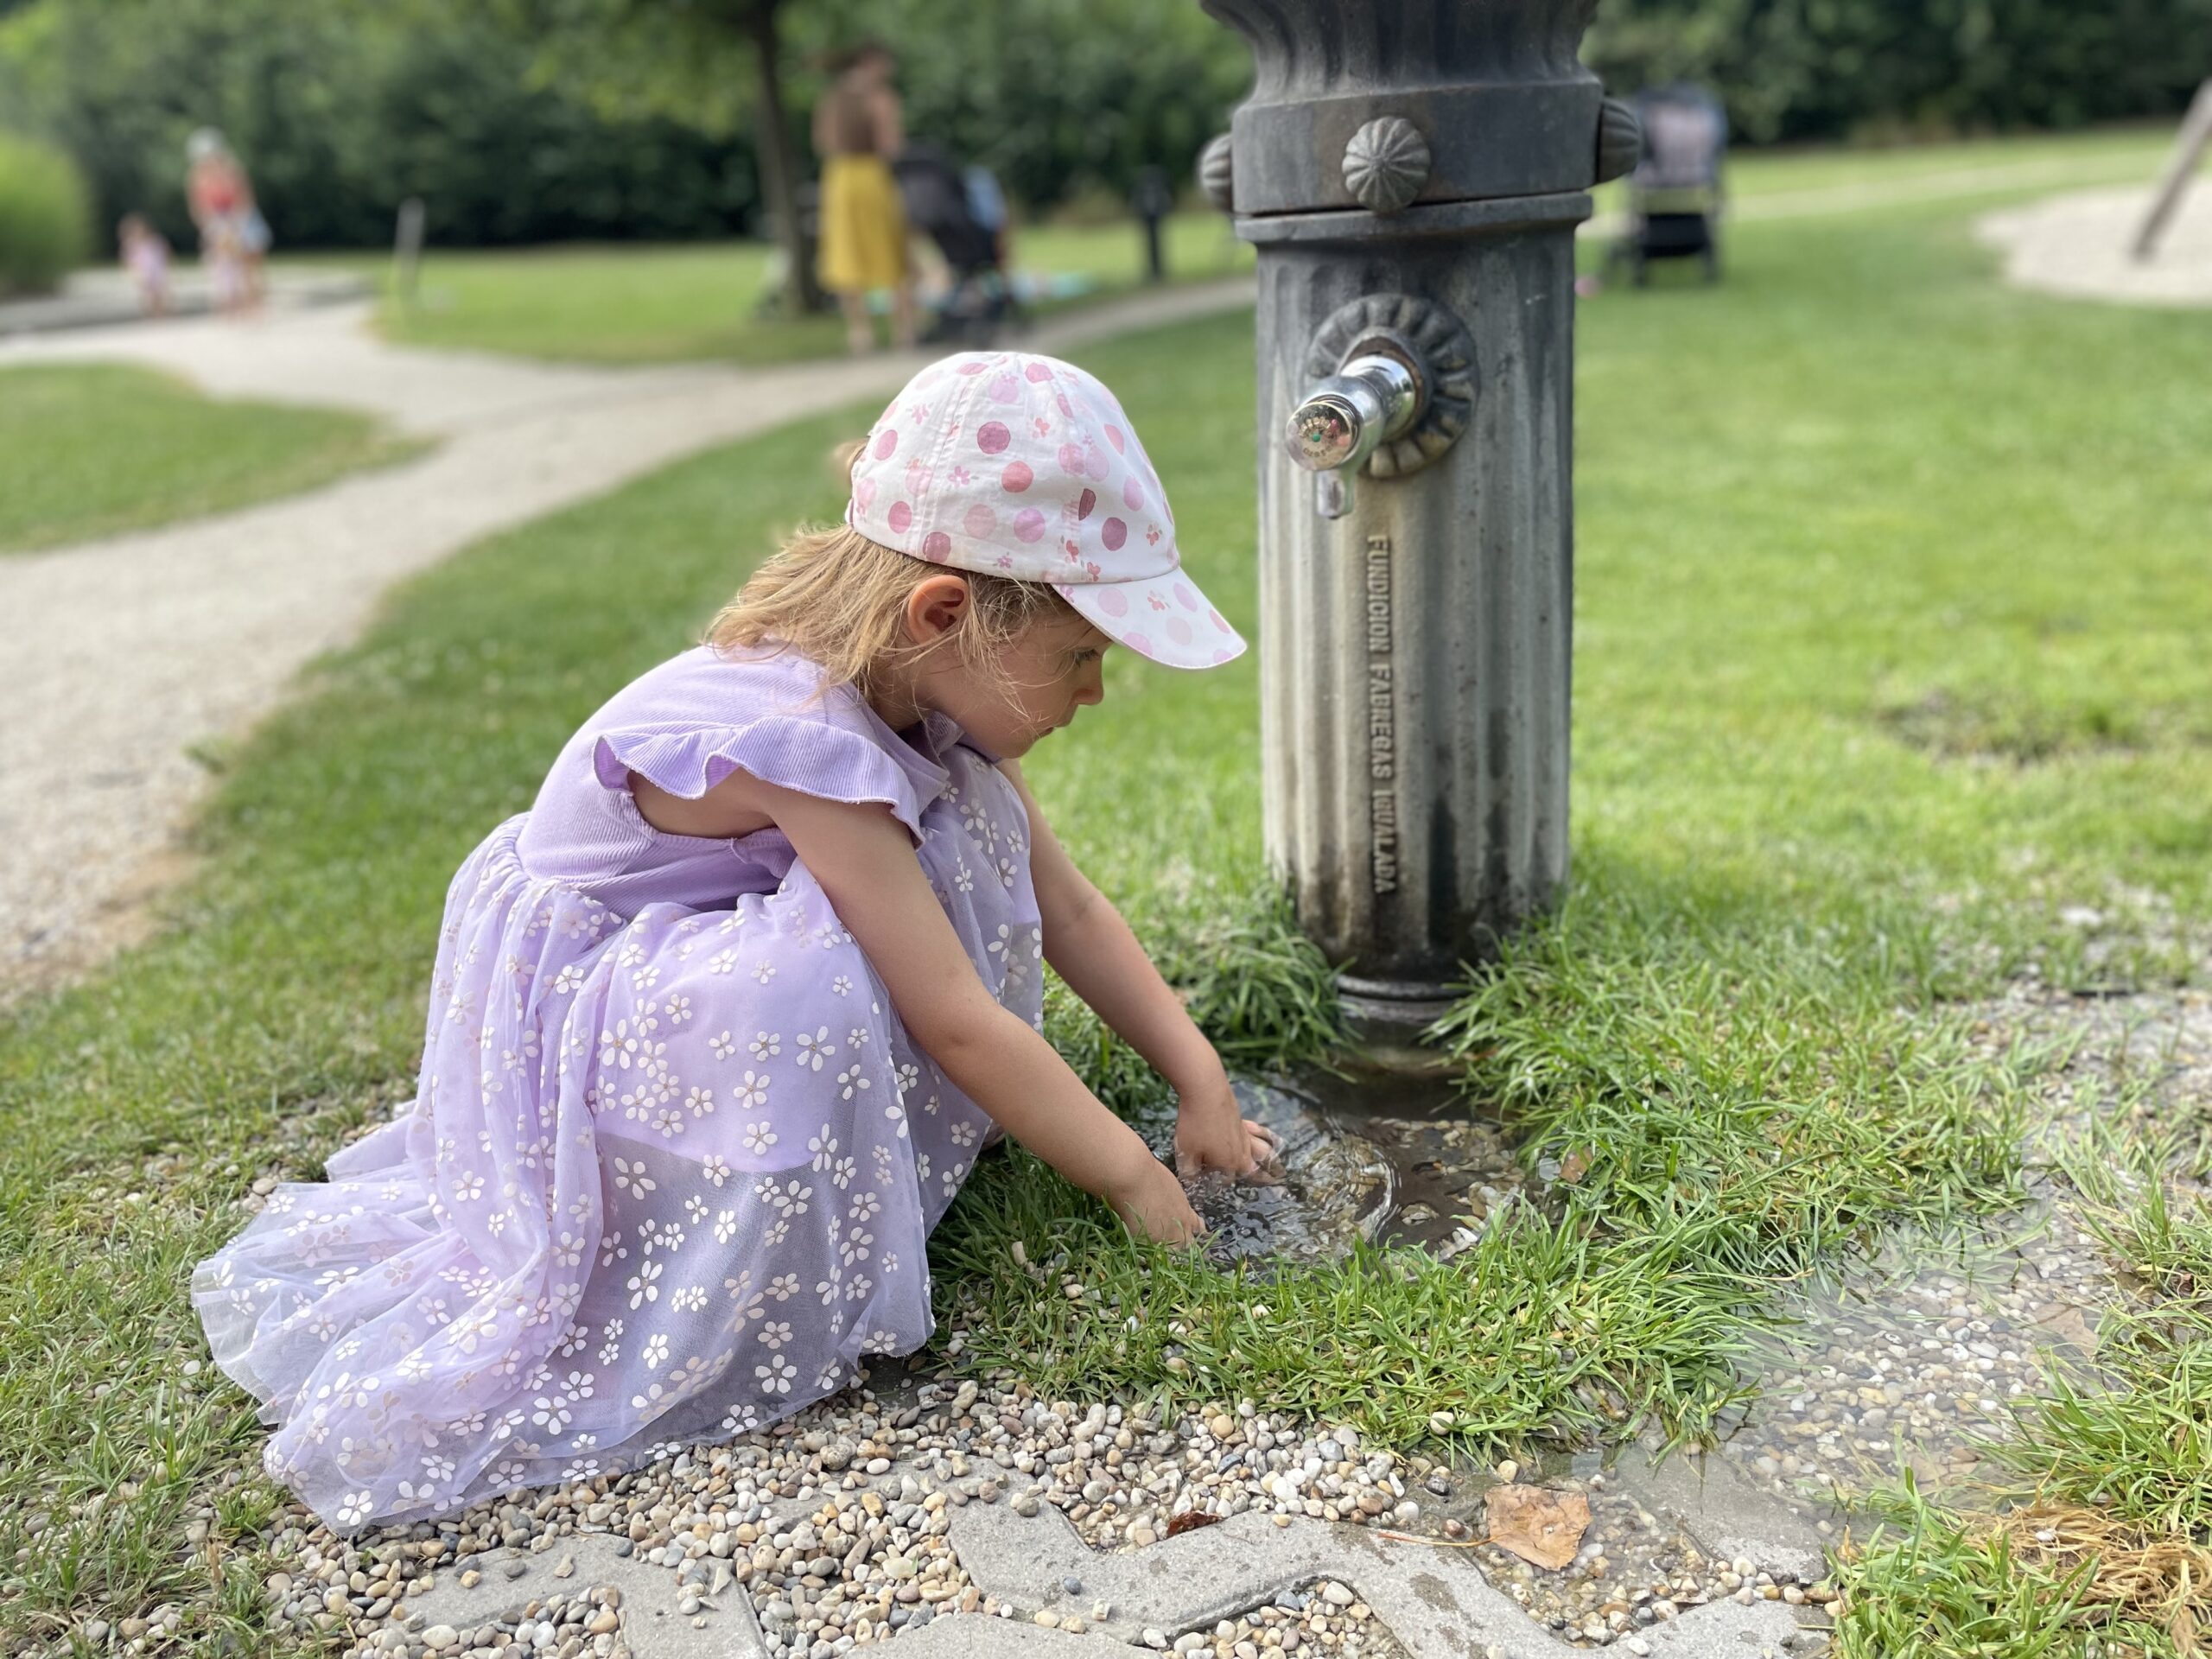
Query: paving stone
x=1432, y=1598
x=651, y=1624
x=1729, y=1516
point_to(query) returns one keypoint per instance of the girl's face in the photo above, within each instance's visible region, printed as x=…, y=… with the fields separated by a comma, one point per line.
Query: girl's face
x=1053, y=667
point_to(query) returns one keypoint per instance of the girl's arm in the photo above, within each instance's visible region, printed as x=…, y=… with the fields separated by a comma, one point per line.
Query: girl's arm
x=890, y=125
x=1092, y=948
x=865, y=862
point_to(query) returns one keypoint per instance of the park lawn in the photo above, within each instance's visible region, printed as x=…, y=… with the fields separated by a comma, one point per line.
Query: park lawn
x=606, y=304
x=90, y=450
x=1887, y=615
x=646, y=303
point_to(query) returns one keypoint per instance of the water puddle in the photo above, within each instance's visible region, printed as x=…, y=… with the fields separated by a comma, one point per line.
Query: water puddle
x=1389, y=1162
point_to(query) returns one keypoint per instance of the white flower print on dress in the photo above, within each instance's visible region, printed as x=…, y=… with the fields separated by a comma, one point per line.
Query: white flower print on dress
x=644, y=1180
x=815, y=1048
x=790, y=1199
x=776, y=1375
x=764, y=971
x=721, y=962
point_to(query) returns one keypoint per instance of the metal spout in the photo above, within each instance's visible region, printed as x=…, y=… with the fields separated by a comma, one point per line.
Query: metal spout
x=1372, y=400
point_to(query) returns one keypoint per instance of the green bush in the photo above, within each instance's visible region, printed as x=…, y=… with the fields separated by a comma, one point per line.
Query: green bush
x=44, y=225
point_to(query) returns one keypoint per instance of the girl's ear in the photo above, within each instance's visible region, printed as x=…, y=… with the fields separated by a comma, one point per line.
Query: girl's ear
x=935, y=608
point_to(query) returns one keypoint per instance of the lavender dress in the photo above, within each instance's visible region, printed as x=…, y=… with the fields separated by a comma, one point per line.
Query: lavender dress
x=672, y=1161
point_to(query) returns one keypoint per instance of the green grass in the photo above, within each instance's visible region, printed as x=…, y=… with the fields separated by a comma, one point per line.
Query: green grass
x=91, y=449
x=648, y=304
x=2128, y=1458
x=1887, y=625
x=643, y=303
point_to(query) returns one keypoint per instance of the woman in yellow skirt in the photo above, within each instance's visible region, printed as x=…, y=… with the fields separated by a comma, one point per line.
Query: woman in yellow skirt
x=857, y=130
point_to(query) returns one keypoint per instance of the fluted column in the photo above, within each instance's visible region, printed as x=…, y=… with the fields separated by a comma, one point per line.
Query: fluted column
x=1411, y=173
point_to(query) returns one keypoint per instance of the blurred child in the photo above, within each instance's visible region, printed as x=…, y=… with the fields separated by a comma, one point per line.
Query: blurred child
x=222, y=252
x=145, y=254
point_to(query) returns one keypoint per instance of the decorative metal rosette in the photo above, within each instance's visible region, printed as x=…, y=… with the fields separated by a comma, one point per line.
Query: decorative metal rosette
x=1215, y=179
x=1385, y=163
x=1620, y=139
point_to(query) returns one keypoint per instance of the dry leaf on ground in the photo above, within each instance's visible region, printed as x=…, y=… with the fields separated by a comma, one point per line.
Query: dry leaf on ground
x=1540, y=1526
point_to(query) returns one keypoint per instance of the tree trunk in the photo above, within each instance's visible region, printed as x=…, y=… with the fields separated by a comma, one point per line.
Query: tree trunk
x=779, y=166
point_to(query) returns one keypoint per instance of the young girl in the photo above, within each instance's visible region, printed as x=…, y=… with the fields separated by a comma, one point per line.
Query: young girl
x=720, y=1024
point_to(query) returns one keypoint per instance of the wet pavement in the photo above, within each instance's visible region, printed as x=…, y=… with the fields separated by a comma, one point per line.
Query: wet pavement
x=1902, y=1361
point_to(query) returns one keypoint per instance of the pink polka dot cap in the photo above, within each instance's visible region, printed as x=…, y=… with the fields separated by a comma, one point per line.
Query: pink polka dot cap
x=1022, y=466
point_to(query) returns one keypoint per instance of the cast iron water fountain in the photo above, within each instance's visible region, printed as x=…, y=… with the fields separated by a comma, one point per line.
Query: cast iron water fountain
x=1411, y=173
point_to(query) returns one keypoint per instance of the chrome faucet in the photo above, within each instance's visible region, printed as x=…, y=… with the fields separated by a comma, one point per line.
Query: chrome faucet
x=1374, y=398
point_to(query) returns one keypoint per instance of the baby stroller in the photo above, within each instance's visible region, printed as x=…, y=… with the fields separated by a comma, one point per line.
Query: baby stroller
x=956, y=216
x=1674, y=195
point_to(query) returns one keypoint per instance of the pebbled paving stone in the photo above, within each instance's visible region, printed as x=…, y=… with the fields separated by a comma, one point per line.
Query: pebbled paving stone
x=649, y=1621
x=1432, y=1598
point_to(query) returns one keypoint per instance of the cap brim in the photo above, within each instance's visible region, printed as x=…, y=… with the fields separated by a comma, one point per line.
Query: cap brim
x=1164, y=617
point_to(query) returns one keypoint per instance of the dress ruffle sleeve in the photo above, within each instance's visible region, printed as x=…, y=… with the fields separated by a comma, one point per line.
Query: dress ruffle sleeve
x=812, y=757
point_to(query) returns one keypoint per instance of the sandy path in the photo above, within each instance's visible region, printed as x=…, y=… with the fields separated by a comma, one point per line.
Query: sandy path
x=2077, y=244
x=124, y=654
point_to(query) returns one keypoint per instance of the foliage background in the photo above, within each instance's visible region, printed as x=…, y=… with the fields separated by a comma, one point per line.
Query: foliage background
x=1829, y=69
x=524, y=121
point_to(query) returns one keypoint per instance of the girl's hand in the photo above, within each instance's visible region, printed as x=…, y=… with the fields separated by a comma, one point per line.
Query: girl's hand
x=1152, y=1205
x=1212, y=1133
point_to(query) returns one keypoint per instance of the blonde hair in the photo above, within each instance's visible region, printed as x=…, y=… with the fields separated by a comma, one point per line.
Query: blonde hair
x=839, y=599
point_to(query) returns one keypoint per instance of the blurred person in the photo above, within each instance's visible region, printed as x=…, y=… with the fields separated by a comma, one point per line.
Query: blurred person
x=858, y=129
x=145, y=254
x=234, y=236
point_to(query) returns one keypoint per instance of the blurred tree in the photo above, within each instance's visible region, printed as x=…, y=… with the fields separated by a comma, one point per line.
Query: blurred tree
x=685, y=58
x=1805, y=69
x=343, y=108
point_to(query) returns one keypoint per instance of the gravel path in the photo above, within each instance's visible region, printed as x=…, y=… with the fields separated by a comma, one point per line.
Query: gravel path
x=2077, y=244
x=125, y=654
